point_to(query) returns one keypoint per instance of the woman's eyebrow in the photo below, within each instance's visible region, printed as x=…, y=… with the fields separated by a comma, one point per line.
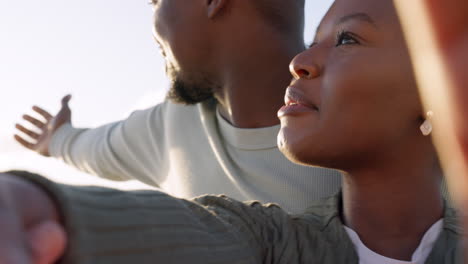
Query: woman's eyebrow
x=357, y=16
x=354, y=16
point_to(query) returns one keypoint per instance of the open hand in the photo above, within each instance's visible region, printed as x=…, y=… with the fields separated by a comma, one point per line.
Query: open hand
x=46, y=127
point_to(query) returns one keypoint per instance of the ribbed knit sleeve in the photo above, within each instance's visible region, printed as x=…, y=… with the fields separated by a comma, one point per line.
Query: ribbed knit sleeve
x=117, y=151
x=107, y=226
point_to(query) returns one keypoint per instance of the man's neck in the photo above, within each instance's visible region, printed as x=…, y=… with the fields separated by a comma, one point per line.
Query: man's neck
x=391, y=208
x=253, y=91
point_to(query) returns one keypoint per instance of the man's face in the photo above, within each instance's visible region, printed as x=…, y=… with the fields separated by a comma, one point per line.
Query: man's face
x=180, y=29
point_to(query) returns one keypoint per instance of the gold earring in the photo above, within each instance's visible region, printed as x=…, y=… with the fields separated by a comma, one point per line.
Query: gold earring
x=426, y=127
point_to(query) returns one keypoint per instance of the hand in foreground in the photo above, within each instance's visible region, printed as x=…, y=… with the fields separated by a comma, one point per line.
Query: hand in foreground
x=29, y=224
x=40, y=140
x=437, y=34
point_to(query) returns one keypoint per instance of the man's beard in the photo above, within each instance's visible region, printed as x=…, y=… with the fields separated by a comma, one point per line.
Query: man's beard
x=189, y=91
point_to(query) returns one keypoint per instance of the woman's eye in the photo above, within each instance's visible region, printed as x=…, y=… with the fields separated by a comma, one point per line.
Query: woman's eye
x=346, y=38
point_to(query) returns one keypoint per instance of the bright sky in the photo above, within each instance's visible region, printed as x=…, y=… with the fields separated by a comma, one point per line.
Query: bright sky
x=102, y=52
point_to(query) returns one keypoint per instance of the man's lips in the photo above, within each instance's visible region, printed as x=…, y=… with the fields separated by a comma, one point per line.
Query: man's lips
x=162, y=52
x=296, y=103
x=160, y=47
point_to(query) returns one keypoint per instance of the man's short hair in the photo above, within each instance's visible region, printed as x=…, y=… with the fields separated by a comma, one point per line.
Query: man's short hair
x=285, y=15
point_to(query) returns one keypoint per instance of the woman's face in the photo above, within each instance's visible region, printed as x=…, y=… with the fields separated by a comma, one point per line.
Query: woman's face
x=353, y=99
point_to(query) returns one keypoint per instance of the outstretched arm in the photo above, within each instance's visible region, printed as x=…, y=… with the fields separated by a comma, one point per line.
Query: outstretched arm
x=124, y=150
x=437, y=33
x=111, y=226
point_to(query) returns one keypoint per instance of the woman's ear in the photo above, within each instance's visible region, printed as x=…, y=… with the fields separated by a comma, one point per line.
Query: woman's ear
x=215, y=6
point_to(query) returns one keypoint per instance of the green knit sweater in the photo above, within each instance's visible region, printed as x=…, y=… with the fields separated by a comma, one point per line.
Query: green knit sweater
x=107, y=226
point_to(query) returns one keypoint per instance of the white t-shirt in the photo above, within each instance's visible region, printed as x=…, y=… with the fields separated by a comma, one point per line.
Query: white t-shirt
x=190, y=151
x=367, y=256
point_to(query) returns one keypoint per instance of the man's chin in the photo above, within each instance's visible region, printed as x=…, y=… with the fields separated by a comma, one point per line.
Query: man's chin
x=188, y=93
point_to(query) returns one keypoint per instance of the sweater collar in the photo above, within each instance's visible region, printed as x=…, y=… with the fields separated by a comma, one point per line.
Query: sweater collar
x=248, y=138
x=329, y=209
x=240, y=138
x=327, y=212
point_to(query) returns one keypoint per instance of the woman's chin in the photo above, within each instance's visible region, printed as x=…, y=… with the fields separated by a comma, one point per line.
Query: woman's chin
x=293, y=148
x=300, y=148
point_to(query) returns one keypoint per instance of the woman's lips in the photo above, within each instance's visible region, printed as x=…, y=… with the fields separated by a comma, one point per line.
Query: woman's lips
x=295, y=103
x=295, y=109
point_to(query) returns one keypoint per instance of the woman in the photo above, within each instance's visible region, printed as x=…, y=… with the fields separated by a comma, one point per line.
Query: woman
x=361, y=114
x=354, y=106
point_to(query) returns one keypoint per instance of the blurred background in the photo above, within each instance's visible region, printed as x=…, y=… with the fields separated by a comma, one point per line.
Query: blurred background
x=101, y=52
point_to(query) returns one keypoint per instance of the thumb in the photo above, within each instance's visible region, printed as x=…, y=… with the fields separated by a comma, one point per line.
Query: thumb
x=65, y=100
x=47, y=242
x=64, y=115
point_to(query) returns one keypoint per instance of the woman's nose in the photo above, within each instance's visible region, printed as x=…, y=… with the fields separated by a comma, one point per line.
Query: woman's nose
x=302, y=67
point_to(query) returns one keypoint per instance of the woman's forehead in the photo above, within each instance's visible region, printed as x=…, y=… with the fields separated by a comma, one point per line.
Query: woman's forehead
x=376, y=12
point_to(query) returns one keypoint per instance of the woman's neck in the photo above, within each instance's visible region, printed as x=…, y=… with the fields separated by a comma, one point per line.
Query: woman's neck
x=391, y=207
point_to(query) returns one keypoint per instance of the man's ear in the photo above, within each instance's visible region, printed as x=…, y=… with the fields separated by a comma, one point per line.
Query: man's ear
x=214, y=7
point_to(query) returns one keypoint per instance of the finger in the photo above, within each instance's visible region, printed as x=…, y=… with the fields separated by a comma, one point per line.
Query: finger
x=64, y=115
x=34, y=121
x=24, y=143
x=28, y=132
x=42, y=112
x=66, y=100
x=47, y=242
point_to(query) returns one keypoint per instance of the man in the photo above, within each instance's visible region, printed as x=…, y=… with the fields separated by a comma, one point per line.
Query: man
x=217, y=132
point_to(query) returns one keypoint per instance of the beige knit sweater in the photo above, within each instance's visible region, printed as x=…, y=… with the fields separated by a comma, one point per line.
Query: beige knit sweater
x=190, y=151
